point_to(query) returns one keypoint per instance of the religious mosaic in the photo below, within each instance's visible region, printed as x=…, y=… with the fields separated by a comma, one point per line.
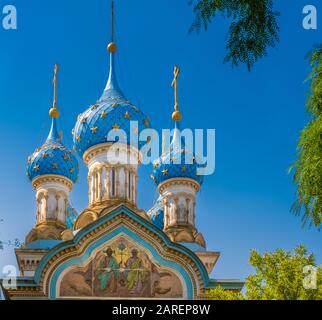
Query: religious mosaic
x=121, y=269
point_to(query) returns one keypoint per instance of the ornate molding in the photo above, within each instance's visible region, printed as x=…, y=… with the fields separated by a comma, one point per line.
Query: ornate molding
x=52, y=178
x=178, y=181
x=104, y=147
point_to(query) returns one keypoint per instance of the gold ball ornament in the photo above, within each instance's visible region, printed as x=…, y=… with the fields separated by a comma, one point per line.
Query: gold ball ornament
x=54, y=113
x=112, y=48
x=176, y=116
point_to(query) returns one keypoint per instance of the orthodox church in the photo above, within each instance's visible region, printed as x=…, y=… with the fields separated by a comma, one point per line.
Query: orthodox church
x=113, y=249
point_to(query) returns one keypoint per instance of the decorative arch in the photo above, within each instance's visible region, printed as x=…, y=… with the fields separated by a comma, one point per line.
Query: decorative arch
x=122, y=223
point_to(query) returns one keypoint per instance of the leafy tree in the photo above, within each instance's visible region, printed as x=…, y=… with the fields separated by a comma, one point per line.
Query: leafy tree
x=252, y=31
x=308, y=166
x=221, y=294
x=278, y=276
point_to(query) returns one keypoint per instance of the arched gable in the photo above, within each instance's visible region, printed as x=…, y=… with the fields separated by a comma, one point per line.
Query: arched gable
x=89, y=256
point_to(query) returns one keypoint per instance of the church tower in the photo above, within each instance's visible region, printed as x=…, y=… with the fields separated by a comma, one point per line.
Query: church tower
x=112, y=167
x=52, y=170
x=176, y=175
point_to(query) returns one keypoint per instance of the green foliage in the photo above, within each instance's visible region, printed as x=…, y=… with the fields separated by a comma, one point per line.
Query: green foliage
x=278, y=276
x=308, y=166
x=221, y=294
x=253, y=28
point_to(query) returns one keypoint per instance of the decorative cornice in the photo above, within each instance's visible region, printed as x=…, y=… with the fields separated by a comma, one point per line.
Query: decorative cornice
x=178, y=181
x=52, y=178
x=104, y=147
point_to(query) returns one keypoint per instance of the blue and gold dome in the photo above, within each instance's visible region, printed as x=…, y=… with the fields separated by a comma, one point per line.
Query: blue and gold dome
x=112, y=111
x=178, y=162
x=53, y=158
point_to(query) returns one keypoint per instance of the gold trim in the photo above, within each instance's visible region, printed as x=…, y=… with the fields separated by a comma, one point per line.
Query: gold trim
x=52, y=178
x=178, y=181
x=90, y=153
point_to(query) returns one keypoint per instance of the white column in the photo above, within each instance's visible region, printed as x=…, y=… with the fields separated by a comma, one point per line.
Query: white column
x=108, y=183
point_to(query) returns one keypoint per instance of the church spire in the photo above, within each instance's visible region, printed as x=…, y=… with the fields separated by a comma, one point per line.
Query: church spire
x=54, y=112
x=112, y=89
x=176, y=115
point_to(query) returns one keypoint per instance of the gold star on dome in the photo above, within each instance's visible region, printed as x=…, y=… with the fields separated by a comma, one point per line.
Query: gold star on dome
x=71, y=170
x=66, y=157
x=37, y=150
x=184, y=168
x=44, y=155
x=155, y=165
x=94, y=130
x=165, y=172
x=78, y=138
x=103, y=114
x=127, y=115
x=54, y=165
x=36, y=167
x=116, y=127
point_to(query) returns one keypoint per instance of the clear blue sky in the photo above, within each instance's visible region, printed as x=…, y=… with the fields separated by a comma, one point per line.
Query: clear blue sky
x=257, y=116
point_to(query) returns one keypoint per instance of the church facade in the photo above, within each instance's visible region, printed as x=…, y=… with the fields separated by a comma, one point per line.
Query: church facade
x=113, y=249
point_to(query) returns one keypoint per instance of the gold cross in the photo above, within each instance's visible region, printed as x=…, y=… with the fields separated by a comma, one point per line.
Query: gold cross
x=174, y=84
x=55, y=85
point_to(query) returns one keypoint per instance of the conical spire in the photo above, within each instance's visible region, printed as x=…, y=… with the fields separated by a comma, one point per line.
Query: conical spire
x=112, y=89
x=53, y=134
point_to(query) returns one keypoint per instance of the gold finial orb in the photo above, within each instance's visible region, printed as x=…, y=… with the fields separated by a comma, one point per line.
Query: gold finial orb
x=54, y=113
x=176, y=116
x=112, y=48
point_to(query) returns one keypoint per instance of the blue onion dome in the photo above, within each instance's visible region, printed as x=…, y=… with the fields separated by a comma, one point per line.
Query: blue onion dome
x=71, y=216
x=111, y=111
x=53, y=158
x=156, y=214
x=178, y=162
